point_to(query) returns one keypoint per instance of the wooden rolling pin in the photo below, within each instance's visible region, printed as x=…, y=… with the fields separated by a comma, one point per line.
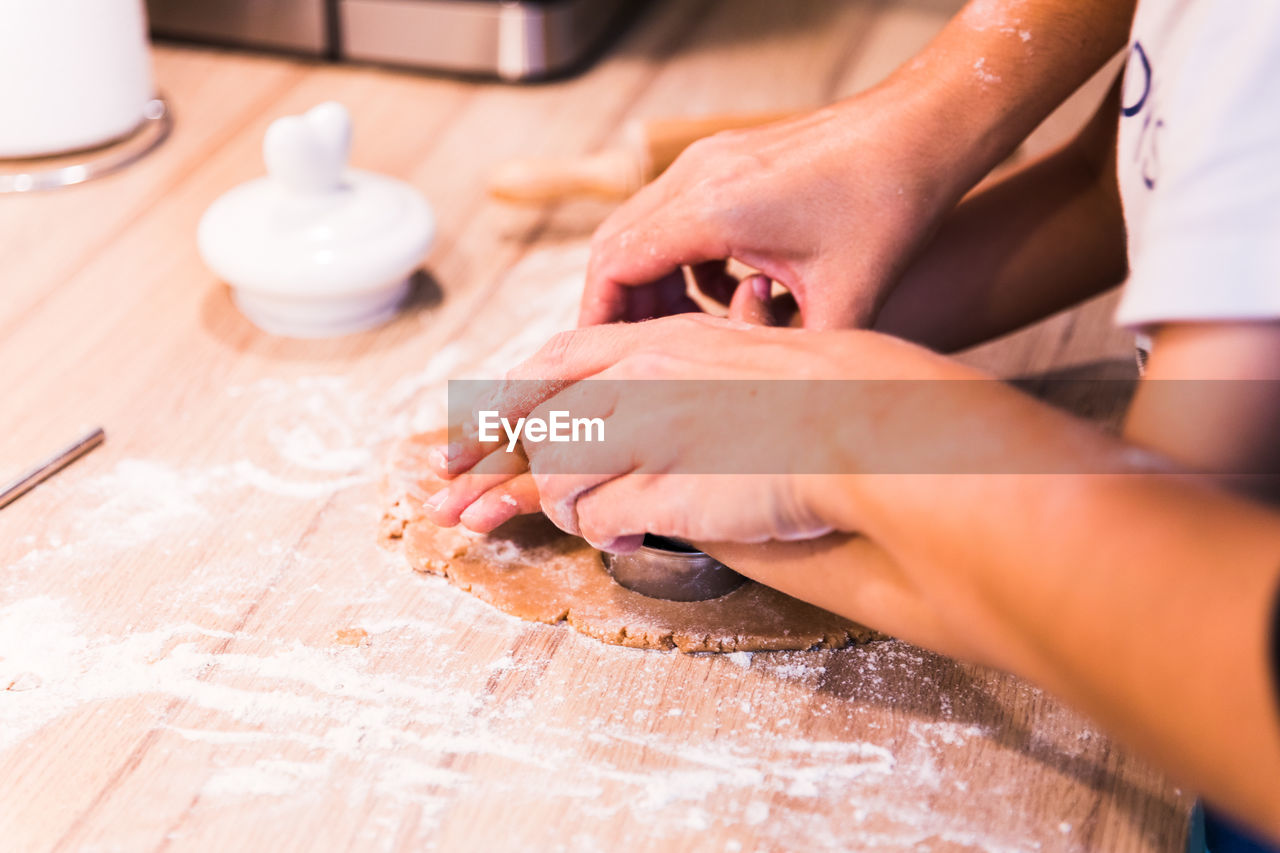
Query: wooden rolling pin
x=616, y=173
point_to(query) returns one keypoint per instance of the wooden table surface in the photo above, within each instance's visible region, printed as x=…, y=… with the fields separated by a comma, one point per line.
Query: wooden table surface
x=175, y=662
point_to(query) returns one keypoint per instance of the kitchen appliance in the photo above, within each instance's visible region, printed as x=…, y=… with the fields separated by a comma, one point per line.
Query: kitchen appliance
x=508, y=39
x=75, y=83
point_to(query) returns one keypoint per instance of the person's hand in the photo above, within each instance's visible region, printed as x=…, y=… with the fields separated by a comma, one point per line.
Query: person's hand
x=492, y=488
x=834, y=205
x=831, y=206
x=664, y=468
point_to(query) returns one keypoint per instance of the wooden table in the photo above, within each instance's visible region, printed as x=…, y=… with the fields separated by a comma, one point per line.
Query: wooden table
x=180, y=613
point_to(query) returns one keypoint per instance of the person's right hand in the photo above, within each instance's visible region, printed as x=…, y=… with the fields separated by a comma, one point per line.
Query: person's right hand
x=831, y=206
x=834, y=205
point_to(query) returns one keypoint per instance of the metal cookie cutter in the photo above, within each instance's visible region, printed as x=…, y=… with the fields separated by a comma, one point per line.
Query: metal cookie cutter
x=670, y=569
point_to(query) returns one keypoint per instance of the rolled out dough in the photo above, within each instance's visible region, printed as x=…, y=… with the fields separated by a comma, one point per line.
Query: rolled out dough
x=530, y=569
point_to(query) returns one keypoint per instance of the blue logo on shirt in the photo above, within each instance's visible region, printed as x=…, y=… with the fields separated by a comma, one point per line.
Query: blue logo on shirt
x=1139, y=95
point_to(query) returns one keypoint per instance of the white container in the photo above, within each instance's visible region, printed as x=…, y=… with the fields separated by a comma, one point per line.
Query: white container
x=73, y=74
x=316, y=249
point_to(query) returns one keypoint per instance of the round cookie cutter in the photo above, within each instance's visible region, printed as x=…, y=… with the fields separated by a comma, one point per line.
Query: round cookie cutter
x=670, y=569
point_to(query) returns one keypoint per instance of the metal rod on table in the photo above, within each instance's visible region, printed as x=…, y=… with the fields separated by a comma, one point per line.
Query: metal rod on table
x=29, y=481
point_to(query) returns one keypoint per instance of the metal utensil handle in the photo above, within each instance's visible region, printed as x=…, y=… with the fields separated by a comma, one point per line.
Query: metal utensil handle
x=38, y=475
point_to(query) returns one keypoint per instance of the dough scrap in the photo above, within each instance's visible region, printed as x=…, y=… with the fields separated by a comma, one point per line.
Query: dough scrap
x=530, y=569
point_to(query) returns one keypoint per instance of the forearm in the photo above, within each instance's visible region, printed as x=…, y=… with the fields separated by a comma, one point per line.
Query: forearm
x=1211, y=399
x=1160, y=638
x=996, y=71
x=1039, y=241
x=852, y=576
x=1140, y=598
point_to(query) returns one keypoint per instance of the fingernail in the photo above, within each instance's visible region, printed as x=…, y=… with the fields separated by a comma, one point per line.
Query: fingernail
x=563, y=514
x=437, y=500
x=626, y=544
x=617, y=545
x=487, y=513
x=762, y=287
x=438, y=459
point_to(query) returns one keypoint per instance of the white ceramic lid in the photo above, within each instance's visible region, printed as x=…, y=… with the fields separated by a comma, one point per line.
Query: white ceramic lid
x=315, y=248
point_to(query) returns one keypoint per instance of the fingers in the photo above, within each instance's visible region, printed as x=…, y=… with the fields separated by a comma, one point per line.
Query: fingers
x=608, y=516
x=564, y=472
x=461, y=454
x=560, y=493
x=754, y=302
x=750, y=302
x=570, y=357
x=576, y=355
x=830, y=302
x=517, y=496
x=646, y=251
x=500, y=486
x=446, y=506
x=565, y=360
x=602, y=304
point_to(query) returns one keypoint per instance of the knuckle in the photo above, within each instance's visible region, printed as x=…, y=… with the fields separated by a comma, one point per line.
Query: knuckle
x=551, y=353
x=607, y=253
x=557, y=347
x=607, y=243
x=718, y=203
x=691, y=323
x=708, y=148
x=646, y=364
x=601, y=240
x=541, y=468
x=589, y=516
x=695, y=154
x=543, y=482
x=633, y=367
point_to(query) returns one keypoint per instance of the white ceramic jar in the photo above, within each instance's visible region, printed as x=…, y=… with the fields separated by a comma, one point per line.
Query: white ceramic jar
x=315, y=248
x=73, y=74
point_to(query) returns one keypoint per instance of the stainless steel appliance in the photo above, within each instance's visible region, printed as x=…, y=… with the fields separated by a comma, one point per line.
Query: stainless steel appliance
x=509, y=39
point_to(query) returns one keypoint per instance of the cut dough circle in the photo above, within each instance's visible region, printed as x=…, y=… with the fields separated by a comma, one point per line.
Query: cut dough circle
x=530, y=569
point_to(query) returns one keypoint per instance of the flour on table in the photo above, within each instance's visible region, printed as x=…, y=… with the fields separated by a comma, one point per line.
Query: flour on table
x=449, y=706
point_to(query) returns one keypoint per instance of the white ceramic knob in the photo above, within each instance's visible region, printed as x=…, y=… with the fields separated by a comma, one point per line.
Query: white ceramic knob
x=316, y=249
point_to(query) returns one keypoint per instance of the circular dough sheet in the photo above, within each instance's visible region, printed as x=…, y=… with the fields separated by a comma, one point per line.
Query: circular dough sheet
x=530, y=569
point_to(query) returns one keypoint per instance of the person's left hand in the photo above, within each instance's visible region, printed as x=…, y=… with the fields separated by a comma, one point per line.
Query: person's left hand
x=650, y=475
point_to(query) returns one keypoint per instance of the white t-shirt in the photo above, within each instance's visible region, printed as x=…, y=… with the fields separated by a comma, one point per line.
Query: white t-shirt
x=1199, y=162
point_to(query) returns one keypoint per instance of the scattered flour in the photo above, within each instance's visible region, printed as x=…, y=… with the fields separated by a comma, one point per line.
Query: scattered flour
x=797, y=670
x=285, y=721
x=279, y=718
x=983, y=73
